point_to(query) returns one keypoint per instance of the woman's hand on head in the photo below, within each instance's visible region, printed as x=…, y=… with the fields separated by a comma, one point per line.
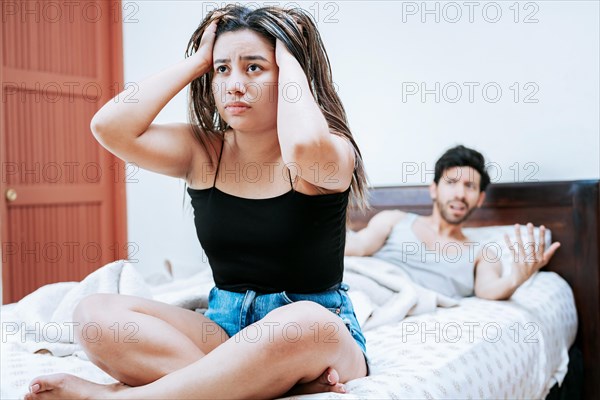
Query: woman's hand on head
x=204, y=54
x=281, y=52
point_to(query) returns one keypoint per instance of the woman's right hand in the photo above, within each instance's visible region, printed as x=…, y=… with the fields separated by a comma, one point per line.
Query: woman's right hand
x=127, y=130
x=204, y=54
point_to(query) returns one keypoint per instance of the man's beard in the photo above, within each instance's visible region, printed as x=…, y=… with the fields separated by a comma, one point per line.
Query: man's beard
x=449, y=218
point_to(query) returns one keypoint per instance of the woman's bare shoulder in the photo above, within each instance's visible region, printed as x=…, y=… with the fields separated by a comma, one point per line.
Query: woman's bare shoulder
x=205, y=158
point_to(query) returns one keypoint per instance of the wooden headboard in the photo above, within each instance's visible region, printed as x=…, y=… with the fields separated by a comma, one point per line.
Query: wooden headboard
x=570, y=209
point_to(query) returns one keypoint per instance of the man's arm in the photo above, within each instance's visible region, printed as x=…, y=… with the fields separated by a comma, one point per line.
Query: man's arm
x=370, y=239
x=490, y=284
x=527, y=260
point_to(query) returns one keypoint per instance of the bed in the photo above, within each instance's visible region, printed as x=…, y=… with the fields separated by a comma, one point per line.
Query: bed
x=481, y=349
x=571, y=210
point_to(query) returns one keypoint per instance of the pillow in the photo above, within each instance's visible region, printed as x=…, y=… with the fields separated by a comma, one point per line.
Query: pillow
x=494, y=245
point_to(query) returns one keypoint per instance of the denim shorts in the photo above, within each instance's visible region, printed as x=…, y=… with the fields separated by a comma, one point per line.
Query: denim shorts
x=233, y=311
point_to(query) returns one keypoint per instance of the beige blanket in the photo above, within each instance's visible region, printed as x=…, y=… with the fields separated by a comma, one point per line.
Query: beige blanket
x=383, y=294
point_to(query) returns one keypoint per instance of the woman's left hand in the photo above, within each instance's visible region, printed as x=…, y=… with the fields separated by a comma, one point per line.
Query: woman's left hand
x=281, y=50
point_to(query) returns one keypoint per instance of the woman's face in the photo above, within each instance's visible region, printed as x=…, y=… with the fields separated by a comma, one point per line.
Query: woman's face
x=245, y=80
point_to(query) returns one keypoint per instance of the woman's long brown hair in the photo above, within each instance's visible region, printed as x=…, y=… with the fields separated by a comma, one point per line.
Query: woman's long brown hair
x=306, y=46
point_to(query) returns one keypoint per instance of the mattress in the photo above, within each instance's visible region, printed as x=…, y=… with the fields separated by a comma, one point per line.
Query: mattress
x=479, y=349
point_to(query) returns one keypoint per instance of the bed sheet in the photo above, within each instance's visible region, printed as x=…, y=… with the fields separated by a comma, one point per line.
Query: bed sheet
x=480, y=349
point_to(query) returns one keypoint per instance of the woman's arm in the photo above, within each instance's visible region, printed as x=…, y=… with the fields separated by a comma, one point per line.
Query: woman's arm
x=324, y=159
x=124, y=124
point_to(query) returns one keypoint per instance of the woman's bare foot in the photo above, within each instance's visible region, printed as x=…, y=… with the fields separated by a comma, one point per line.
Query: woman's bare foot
x=329, y=381
x=65, y=386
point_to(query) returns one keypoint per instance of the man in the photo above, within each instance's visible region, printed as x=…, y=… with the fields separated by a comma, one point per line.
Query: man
x=433, y=250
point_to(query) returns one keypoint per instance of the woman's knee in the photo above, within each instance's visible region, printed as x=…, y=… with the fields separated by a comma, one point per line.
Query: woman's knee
x=310, y=332
x=92, y=307
x=305, y=324
x=93, y=318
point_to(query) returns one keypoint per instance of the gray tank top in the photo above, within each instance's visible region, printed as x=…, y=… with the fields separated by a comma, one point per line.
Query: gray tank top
x=448, y=269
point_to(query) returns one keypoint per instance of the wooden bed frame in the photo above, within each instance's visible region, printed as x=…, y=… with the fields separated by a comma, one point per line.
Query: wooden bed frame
x=570, y=209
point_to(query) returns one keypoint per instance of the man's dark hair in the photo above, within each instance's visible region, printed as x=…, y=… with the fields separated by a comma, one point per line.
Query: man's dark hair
x=461, y=156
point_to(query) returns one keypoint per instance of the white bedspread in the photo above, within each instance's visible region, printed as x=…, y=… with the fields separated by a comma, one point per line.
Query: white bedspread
x=480, y=349
x=483, y=349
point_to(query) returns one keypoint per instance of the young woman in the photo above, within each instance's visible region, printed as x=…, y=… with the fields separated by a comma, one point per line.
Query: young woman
x=270, y=163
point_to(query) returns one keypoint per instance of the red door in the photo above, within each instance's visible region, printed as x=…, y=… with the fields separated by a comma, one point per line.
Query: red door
x=62, y=196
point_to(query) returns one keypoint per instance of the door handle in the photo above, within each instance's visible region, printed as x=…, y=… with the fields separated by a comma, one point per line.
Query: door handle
x=11, y=195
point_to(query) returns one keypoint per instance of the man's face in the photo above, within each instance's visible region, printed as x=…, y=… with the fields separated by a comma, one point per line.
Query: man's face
x=457, y=194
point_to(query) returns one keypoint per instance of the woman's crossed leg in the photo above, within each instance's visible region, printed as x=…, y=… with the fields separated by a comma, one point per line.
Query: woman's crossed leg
x=137, y=341
x=177, y=353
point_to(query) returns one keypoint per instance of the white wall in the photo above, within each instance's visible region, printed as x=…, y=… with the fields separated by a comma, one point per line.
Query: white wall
x=380, y=51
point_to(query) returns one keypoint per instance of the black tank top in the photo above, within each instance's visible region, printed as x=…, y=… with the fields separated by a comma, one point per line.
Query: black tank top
x=292, y=242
